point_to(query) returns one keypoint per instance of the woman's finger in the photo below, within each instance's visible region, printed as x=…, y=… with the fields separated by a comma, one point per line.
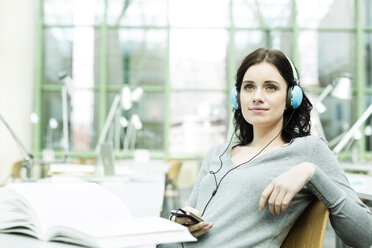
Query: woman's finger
x=272, y=200
x=195, y=227
x=264, y=196
x=279, y=202
x=182, y=220
x=286, y=200
x=202, y=230
x=192, y=210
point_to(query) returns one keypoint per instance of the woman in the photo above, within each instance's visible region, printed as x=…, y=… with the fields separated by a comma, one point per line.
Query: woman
x=251, y=192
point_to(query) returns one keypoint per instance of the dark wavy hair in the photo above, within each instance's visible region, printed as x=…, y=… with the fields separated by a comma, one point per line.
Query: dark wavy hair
x=299, y=124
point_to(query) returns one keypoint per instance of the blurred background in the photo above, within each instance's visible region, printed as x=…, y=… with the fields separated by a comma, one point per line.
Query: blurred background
x=171, y=65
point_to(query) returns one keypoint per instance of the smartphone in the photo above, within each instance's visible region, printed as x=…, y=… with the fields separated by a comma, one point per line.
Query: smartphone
x=182, y=213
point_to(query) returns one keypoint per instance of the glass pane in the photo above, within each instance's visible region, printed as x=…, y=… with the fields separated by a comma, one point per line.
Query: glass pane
x=82, y=121
x=325, y=57
x=367, y=13
x=57, y=53
x=132, y=135
x=367, y=131
x=248, y=41
x=137, y=12
x=198, y=59
x=52, y=109
x=195, y=13
x=368, y=59
x=137, y=57
x=197, y=127
x=78, y=12
x=336, y=118
x=325, y=13
x=71, y=51
x=263, y=13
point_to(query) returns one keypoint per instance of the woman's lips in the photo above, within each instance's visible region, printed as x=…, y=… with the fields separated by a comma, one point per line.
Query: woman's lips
x=258, y=110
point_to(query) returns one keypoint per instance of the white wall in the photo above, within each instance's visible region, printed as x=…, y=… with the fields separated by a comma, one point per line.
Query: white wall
x=17, y=43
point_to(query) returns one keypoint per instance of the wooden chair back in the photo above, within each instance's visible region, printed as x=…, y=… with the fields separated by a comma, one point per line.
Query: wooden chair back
x=309, y=228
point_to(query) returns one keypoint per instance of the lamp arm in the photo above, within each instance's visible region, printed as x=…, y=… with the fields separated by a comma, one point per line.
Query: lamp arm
x=109, y=119
x=325, y=92
x=27, y=155
x=15, y=137
x=352, y=130
x=65, y=121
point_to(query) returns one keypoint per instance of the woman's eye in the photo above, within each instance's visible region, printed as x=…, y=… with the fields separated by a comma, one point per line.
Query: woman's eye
x=271, y=87
x=248, y=87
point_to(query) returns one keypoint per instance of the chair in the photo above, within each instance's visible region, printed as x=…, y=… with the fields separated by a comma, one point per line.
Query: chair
x=309, y=228
x=172, y=177
x=171, y=194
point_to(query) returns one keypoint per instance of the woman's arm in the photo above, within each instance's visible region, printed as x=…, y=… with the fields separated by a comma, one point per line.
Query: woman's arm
x=200, y=228
x=280, y=192
x=350, y=218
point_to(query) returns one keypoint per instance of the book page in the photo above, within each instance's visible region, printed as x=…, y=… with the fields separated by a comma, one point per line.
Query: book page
x=62, y=204
x=15, y=216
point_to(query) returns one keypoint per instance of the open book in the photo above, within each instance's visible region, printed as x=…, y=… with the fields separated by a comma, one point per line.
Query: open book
x=80, y=213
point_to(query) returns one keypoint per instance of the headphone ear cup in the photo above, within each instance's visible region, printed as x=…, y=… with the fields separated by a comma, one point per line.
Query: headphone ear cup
x=294, y=97
x=235, y=98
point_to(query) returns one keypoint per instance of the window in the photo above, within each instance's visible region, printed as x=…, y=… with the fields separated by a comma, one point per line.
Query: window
x=184, y=55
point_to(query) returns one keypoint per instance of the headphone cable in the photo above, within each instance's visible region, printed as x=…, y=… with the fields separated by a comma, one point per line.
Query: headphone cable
x=235, y=167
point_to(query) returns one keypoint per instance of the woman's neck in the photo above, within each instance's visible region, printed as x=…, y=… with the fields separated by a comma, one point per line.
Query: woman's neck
x=262, y=136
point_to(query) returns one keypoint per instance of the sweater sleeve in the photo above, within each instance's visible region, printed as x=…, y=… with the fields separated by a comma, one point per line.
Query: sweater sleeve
x=204, y=170
x=350, y=218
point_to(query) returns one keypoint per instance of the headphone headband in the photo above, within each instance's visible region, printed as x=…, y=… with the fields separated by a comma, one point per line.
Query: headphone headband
x=295, y=76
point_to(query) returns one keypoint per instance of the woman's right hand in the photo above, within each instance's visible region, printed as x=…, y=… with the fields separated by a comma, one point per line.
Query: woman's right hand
x=196, y=229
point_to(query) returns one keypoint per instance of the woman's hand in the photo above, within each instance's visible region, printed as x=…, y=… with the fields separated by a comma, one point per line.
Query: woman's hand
x=280, y=192
x=196, y=229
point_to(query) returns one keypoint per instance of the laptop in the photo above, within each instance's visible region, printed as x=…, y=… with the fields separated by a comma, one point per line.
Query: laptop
x=107, y=158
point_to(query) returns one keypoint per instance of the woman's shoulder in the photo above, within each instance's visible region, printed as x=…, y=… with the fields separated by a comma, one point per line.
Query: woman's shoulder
x=311, y=140
x=312, y=143
x=221, y=148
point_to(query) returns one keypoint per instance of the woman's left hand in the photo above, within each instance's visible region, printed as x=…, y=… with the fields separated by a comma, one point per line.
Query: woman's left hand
x=280, y=192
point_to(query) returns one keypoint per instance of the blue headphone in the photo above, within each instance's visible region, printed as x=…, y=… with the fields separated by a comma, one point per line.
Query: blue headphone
x=294, y=94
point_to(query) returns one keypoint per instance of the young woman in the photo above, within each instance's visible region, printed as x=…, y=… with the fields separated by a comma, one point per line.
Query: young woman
x=251, y=192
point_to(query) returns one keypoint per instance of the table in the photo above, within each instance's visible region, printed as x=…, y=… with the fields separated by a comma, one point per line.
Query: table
x=362, y=184
x=22, y=241
x=358, y=166
x=140, y=185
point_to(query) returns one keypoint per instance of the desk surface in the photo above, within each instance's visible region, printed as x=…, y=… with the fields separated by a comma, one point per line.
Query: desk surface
x=140, y=185
x=360, y=166
x=362, y=184
x=22, y=241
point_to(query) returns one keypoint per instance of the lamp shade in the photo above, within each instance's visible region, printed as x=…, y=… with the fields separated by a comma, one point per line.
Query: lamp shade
x=342, y=89
x=126, y=101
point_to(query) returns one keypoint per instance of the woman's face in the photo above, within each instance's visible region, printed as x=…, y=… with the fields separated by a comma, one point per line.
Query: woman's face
x=263, y=96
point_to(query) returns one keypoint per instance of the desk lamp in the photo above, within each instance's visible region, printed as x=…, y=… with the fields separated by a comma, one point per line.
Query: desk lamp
x=66, y=90
x=354, y=130
x=340, y=88
x=122, y=101
x=28, y=158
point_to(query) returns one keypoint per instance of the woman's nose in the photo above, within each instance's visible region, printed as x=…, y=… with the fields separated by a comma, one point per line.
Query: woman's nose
x=258, y=96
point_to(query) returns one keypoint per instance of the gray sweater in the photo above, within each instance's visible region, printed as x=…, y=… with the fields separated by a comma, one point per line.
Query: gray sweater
x=234, y=208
